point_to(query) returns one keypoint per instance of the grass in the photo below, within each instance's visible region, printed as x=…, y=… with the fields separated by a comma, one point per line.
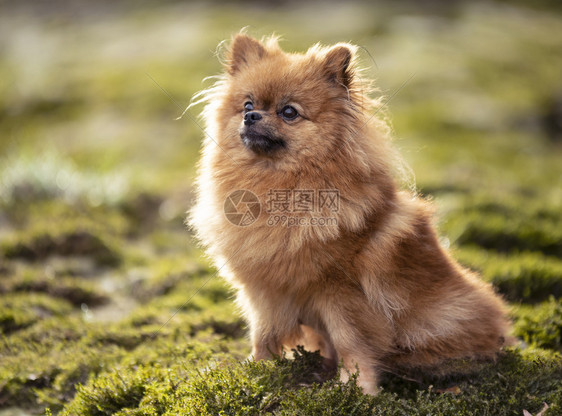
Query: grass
x=107, y=306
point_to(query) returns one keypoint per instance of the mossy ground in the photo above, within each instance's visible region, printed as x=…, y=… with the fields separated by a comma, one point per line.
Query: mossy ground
x=107, y=306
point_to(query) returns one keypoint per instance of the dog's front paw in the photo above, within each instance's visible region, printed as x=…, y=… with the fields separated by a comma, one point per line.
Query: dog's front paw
x=365, y=379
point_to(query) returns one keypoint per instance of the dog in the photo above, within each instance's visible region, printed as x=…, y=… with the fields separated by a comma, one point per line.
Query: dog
x=371, y=288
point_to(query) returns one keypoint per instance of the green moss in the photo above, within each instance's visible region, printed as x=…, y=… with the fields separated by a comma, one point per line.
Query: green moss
x=228, y=388
x=35, y=357
x=541, y=325
x=165, y=273
x=20, y=311
x=71, y=289
x=68, y=241
x=197, y=302
x=519, y=380
x=142, y=210
x=34, y=370
x=526, y=277
x=41, y=176
x=111, y=394
x=508, y=231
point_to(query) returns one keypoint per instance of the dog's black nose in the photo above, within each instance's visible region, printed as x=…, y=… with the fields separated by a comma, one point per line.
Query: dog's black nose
x=251, y=117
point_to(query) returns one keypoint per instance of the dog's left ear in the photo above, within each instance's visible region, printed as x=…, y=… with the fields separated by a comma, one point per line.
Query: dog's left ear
x=243, y=51
x=338, y=64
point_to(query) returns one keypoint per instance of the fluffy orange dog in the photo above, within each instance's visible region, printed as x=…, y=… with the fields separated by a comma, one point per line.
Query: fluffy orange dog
x=320, y=245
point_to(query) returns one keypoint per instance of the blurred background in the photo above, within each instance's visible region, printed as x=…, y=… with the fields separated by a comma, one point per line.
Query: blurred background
x=90, y=90
x=96, y=173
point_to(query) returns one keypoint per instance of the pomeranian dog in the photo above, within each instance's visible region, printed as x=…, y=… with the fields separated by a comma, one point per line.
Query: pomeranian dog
x=299, y=208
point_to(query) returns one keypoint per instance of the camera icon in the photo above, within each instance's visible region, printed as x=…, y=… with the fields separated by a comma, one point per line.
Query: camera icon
x=242, y=208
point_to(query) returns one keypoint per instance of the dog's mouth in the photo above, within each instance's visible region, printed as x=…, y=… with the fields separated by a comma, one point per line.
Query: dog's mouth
x=262, y=144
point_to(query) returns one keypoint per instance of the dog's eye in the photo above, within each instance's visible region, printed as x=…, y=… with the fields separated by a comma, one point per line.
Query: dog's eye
x=289, y=112
x=248, y=106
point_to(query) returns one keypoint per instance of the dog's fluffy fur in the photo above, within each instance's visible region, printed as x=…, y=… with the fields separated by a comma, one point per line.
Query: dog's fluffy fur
x=376, y=290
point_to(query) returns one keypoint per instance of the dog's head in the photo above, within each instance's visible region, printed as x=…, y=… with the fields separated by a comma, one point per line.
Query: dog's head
x=284, y=106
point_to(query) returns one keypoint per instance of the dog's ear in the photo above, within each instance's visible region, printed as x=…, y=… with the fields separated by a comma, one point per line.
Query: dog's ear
x=243, y=51
x=338, y=64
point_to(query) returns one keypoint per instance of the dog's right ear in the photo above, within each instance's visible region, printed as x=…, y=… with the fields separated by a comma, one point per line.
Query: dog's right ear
x=242, y=52
x=338, y=64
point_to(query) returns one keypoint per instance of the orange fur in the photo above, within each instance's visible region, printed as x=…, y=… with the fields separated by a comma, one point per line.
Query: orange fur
x=373, y=290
